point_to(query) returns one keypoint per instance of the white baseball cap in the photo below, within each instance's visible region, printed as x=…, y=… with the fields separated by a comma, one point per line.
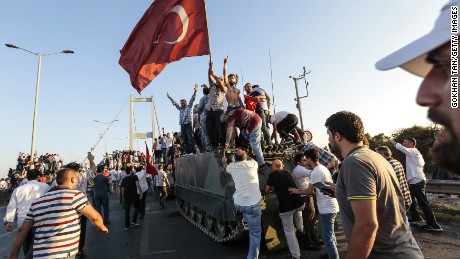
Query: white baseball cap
x=412, y=56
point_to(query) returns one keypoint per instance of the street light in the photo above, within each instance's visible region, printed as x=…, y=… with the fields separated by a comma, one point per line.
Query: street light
x=39, y=55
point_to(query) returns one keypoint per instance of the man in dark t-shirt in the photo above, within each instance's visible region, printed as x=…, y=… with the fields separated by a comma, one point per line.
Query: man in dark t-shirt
x=290, y=205
x=101, y=196
x=130, y=186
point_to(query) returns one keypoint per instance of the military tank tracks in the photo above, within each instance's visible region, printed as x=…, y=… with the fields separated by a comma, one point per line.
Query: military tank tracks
x=219, y=231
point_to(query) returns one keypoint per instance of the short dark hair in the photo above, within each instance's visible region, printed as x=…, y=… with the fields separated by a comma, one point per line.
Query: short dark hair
x=347, y=124
x=32, y=174
x=100, y=168
x=298, y=157
x=240, y=157
x=61, y=175
x=384, y=150
x=128, y=170
x=75, y=166
x=139, y=168
x=313, y=154
x=412, y=140
x=206, y=90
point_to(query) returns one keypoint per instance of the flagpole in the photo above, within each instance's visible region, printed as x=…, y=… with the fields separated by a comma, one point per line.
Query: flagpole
x=209, y=38
x=271, y=78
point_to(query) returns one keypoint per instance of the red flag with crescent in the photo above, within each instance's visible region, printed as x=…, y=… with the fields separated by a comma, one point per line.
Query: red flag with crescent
x=150, y=168
x=168, y=31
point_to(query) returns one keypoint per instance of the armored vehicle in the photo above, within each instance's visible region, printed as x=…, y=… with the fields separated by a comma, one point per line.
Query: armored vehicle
x=204, y=196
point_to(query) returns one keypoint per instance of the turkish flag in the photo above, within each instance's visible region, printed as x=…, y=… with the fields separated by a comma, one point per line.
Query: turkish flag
x=150, y=168
x=169, y=31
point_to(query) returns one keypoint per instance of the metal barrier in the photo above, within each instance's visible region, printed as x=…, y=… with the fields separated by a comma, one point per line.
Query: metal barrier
x=443, y=186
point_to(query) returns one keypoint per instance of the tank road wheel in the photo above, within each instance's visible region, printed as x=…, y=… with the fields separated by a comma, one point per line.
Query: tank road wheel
x=220, y=228
x=199, y=216
x=185, y=207
x=192, y=212
x=208, y=221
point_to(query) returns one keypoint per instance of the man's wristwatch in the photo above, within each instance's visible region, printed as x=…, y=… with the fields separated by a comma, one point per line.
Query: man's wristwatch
x=6, y=222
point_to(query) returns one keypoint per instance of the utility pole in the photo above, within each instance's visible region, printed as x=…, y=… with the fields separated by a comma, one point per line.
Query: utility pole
x=297, y=99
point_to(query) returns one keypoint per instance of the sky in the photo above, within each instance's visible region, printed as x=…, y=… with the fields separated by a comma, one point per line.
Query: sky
x=338, y=41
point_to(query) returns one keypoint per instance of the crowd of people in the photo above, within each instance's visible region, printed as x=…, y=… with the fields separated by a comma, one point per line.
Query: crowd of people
x=222, y=120
x=89, y=190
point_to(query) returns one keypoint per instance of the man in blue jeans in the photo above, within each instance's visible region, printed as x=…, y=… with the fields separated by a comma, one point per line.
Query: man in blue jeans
x=327, y=205
x=101, y=196
x=416, y=179
x=185, y=120
x=247, y=196
x=245, y=120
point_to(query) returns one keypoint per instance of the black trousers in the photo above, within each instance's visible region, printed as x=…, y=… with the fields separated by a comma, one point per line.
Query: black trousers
x=127, y=207
x=142, y=204
x=27, y=246
x=83, y=221
x=215, y=128
x=286, y=125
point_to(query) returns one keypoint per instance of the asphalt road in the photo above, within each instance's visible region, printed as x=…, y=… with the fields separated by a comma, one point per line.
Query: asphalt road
x=165, y=234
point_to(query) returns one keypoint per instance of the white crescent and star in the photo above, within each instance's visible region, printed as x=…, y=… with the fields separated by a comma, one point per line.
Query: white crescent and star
x=184, y=19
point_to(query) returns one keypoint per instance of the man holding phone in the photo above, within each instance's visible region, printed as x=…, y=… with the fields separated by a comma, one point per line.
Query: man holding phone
x=327, y=205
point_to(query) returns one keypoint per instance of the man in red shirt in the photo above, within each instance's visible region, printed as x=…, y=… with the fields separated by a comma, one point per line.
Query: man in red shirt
x=245, y=120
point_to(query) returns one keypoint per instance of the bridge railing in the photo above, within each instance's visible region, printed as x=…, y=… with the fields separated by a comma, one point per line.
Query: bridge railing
x=443, y=186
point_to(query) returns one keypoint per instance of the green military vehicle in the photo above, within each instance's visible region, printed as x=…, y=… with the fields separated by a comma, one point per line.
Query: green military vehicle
x=204, y=196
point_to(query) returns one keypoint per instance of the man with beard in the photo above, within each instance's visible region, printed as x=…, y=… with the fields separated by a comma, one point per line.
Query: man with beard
x=233, y=94
x=430, y=57
x=370, y=200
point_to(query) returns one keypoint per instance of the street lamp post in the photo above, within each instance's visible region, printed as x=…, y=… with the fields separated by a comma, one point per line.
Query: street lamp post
x=40, y=55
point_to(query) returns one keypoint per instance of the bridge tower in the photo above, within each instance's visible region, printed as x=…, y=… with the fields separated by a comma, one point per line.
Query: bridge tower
x=140, y=135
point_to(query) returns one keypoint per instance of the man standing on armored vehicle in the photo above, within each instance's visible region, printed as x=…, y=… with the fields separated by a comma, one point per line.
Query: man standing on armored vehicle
x=215, y=108
x=247, y=196
x=185, y=120
x=233, y=94
x=262, y=107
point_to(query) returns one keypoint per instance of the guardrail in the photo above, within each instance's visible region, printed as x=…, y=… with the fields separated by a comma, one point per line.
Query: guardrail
x=443, y=186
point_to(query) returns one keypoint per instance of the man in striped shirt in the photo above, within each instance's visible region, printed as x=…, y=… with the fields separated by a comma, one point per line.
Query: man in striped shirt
x=399, y=171
x=55, y=217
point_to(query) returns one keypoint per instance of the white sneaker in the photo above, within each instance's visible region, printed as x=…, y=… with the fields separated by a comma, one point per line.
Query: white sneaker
x=245, y=226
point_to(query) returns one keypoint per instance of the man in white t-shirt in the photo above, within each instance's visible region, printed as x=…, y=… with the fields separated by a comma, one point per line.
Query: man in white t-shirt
x=327, y=205
x=161, y=180
x=121, y=174
x=168, y=143
x=301, y=177
x=114, y=177
x=247, y=196
x=142, y=176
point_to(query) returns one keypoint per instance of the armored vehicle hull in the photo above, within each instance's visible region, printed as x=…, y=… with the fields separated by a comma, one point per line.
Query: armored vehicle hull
x=204, y=196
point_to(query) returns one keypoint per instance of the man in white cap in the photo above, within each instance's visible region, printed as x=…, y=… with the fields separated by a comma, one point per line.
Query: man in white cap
x=430, y=57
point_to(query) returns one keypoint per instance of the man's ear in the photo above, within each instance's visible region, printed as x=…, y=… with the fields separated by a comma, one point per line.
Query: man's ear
x=337, y=137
